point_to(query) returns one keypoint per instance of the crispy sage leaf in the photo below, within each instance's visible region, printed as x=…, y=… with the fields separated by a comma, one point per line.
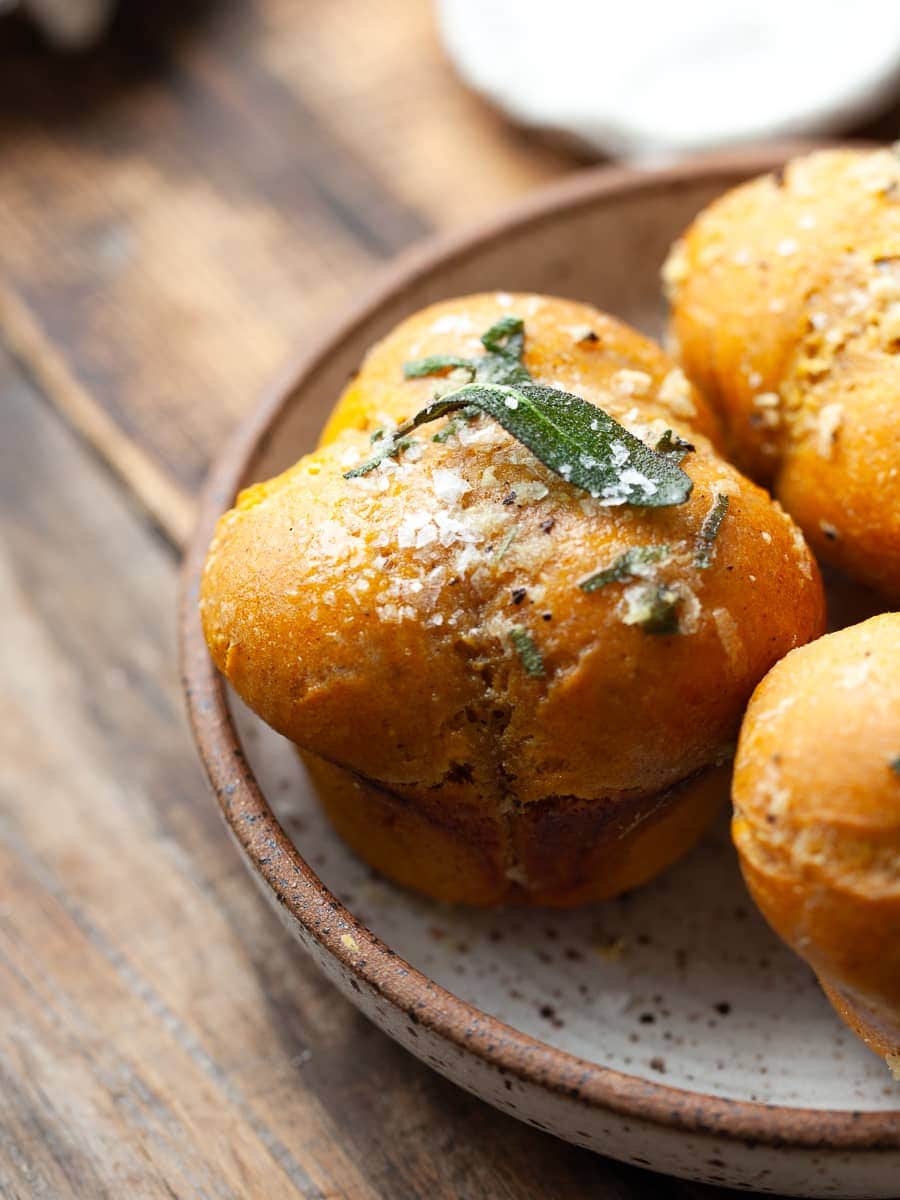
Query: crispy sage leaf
x=581, y=443
x=578, y=441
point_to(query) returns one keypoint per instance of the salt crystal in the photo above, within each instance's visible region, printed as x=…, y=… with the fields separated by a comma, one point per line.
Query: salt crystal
x=828, y=423
x=410, y=527
x=465, y=559
x=332, y=540
x=449, y=486
x=453, y=323
x=531, y=489
x=451, y=530
x=675, y=392
x=631, y=383
x=632, y=477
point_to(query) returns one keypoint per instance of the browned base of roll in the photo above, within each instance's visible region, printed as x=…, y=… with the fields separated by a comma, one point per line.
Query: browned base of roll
x=559, y=852
x=879, y=1031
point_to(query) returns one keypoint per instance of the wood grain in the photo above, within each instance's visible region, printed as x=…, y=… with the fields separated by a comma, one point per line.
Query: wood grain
x=179, y=211
x=161, y=1034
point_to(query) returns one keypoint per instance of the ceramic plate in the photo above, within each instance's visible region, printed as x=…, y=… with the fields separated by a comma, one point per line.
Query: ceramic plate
x=669, y=1028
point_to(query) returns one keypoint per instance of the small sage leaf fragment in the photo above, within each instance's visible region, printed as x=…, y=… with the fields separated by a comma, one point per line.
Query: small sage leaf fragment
x=437, y=364
x=506, y=336
x=652, y=606
x=456, y=423
x=508, y=538
x=709, y=531
x=391, y=449
x=673, y=446
x=629, y=565
x=523, y=644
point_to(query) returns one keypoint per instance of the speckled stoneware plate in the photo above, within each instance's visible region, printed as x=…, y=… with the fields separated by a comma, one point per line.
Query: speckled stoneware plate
x=669, y=1028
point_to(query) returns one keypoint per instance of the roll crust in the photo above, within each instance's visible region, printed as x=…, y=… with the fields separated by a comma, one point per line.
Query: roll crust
x=369, y=621
x=785, y=301
x=817, y=817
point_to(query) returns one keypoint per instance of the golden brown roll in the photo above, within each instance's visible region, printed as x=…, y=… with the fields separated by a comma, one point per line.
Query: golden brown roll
x=817, y=818
x=479, y=726
x=785, y=301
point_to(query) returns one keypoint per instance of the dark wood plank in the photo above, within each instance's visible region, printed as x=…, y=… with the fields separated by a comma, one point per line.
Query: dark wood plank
x=182, y=207
x=162, y=1035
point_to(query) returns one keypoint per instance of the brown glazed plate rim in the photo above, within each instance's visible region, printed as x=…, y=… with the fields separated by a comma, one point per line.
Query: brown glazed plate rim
x=302, y=897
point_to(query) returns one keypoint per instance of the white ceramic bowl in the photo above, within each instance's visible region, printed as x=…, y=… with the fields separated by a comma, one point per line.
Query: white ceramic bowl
x=669, y=1028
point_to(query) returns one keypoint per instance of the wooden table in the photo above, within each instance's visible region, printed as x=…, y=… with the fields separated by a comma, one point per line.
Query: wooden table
x=177, y=212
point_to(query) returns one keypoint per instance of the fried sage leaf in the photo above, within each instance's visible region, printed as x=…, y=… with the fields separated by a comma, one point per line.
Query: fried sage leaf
x=578, y=441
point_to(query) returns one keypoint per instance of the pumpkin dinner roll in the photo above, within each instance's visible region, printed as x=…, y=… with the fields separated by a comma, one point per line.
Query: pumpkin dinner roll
x=785, y=301
x=817, y=818
x=512, y=607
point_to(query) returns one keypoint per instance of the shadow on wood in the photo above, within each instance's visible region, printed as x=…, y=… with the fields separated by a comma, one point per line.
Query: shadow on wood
x=41, y=86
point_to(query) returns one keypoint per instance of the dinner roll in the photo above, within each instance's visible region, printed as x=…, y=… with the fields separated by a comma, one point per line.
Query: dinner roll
x=785, y=301
x=817, y=818
x=507, y=688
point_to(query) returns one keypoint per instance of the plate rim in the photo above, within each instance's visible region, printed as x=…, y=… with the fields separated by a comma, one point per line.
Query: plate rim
x=276, y=863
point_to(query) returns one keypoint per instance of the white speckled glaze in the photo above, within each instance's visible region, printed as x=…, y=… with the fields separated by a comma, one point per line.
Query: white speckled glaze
x=679, y=987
